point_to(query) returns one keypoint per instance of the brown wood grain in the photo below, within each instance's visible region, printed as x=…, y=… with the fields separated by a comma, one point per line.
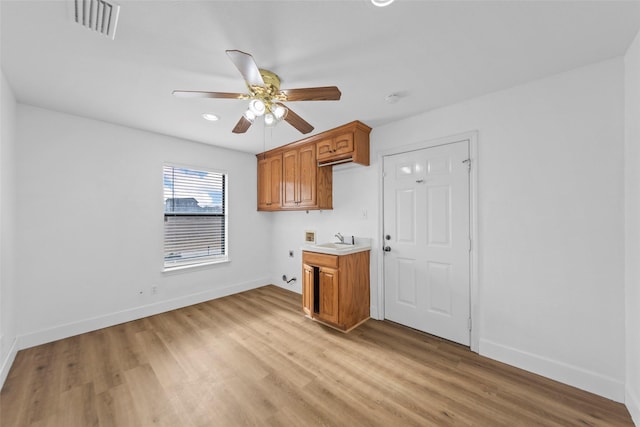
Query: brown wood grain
x=315, y=258
x=296, y=121
x=354, y=288
x=326, y=93
x=270, y=182
x=254, y=359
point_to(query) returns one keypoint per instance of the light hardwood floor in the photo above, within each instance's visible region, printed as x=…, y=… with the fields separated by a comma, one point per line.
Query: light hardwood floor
x=253, y=359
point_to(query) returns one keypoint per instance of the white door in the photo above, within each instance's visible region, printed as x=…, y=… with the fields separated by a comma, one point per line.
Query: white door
x=427, y=241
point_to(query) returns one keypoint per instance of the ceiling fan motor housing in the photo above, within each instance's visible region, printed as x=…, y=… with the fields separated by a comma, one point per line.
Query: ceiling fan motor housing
x=270, y=92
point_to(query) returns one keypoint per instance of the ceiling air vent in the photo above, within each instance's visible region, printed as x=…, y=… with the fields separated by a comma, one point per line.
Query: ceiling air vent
x=97, y=15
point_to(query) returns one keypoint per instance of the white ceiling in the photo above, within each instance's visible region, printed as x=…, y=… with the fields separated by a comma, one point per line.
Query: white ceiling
x=431, y=53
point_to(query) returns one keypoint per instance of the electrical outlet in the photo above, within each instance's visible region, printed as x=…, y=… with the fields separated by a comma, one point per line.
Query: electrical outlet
x=154, y=290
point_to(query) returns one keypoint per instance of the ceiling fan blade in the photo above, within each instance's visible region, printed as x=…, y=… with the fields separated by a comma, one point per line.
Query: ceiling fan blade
x=242, y=126
x=296, y=121
x=327, y=93
x=199, y=94
x=247, y=67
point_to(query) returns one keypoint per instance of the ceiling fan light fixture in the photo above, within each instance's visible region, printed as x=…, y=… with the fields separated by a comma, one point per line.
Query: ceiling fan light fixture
x=381, y=3
x=257, y=107
x=249, y=115
x=269, y=119
x=279, y=112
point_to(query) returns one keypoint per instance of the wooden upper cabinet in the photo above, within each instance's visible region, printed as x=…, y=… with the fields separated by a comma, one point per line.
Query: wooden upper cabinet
x=305, y=186
x=270, y=182
x=290, y=178
x=307, y=194
x=304, y=179
x=335, y=148
x=348, y=143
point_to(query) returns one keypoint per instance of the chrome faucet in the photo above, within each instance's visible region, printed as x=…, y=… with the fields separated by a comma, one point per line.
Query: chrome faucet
x=340, y=237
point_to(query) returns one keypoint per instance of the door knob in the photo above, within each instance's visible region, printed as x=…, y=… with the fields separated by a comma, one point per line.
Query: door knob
x=387, y=249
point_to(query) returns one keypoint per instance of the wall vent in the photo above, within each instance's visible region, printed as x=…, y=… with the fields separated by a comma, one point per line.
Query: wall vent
x=98, y=15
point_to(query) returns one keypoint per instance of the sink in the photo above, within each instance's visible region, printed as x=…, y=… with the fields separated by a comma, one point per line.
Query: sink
x=337, y=246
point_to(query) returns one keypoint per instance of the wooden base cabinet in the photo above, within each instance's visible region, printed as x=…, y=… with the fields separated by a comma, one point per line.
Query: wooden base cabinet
x=335, y=289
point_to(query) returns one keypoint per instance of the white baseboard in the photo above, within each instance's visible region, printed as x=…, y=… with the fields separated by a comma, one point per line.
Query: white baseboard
x=70, y=329
x=633, y=405
x=5, y=365
x=592, y=382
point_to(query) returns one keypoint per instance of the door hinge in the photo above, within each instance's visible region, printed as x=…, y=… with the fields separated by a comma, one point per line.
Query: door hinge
x=469, y=323
x=470, y=244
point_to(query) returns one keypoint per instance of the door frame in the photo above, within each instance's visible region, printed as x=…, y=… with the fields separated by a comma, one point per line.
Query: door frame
x=474, y=300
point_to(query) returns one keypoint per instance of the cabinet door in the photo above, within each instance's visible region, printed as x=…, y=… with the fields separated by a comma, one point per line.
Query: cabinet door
x=290, y=178
x=328, y=279
x=307, y=289
x=263, y=184
x=335, y=148
x=307, y=178
x=324, y=148
x=269, y=182
x=275, y=184
x=343, y=144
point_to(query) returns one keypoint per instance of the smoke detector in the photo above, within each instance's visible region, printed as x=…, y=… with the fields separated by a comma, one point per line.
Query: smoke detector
x=392, y=98
x=97, y=15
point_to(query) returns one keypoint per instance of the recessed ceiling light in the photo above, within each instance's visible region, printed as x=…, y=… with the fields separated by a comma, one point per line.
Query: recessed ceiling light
x=210, y=117
x=381, y=3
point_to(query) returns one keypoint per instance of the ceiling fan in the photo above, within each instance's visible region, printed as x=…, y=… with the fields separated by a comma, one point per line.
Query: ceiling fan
x=266, y=97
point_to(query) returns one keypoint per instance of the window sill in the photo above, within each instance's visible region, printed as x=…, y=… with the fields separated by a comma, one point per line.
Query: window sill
x=190, y=267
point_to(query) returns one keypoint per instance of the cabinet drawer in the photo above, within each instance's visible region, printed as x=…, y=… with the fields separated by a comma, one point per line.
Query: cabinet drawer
x=314, y=258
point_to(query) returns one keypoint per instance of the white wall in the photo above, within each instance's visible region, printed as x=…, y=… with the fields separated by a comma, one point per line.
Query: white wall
x=551, y=220
x=551, y=223
x=8, y=284
x=632, y=231
x=354, y=191
x=90, y=204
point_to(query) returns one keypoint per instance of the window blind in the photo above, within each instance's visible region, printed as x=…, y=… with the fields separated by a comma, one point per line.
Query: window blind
x=195, y=220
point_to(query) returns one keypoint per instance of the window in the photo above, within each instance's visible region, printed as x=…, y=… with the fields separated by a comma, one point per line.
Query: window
x=195, y=217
